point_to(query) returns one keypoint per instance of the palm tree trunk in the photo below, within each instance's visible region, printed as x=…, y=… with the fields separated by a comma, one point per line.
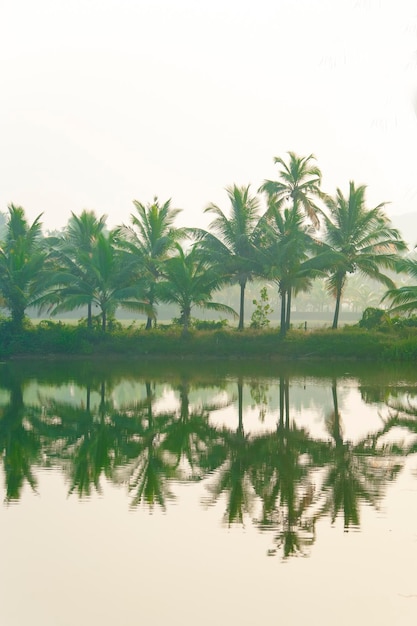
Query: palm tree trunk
x=89, y=315
x=288, y=315
x=186, y=314
x=242, y=305
x=283, y=313
x=18, y=314
x=337, y=307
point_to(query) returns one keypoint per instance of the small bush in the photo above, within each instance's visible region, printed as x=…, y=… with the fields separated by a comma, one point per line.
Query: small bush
x=374, y=318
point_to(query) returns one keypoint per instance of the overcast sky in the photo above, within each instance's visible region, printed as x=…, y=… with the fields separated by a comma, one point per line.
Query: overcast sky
x=106, y=101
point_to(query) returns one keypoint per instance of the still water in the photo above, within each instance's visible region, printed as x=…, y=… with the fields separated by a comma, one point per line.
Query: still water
x=220, y=493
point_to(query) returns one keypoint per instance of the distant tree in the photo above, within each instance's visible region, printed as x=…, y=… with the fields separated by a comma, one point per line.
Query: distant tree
x=23, y=255
x=150, y=240
x=104, y=277
x=73, y=251
x=298, y=185
x=404, y=299
x=361, y=239
x=190, y=280
x=288, y=257
x=232, y=241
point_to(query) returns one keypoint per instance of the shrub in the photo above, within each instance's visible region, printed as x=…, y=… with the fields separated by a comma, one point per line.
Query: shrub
x=374, y=318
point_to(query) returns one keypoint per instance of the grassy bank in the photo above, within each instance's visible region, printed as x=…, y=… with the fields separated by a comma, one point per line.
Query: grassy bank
x=350, y=342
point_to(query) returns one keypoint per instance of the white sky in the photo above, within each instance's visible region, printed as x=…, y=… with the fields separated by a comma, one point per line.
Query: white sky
x=106, y=101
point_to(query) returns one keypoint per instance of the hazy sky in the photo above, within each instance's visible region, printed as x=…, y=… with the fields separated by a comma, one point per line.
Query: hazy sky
x=106, y=101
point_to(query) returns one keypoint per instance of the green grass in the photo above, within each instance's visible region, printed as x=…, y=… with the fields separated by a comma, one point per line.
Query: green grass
x=351, y=342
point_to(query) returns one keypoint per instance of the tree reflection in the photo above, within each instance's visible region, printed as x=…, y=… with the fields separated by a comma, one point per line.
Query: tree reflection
x=150, y=467
x=234, y=476
x=282, y=481
x=89, y=444
x=196, y=444
x=355, y=473
x=19, y=441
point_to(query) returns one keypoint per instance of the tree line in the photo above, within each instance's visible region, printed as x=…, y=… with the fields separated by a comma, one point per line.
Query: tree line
x=303, y=234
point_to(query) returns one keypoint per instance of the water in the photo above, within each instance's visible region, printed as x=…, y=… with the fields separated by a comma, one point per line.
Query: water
x=219, y=493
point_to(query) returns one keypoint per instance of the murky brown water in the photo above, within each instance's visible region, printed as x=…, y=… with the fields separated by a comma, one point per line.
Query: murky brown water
x=223, y=493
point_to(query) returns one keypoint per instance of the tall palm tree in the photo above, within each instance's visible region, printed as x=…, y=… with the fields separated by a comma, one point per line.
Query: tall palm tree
x=287, y=254
x=362, y=240
x=231, y=243
x=189, y=280
x=150, y=239
x=23, y=256
x=298, y=183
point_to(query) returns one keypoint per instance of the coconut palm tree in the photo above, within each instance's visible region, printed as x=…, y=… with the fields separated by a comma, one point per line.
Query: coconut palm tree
x=287, y=256
x=150, y=239
x=80, y=237
x=404, y=299
x=361, y=239
x=189, y=281
x=105, y=277
x=231, y=242
x=72, y=253
x=298, y=184
x=23, y=255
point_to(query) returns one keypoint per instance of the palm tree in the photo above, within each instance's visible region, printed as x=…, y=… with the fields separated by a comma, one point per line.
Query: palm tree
x=189, y=280
x=361, y=239
x=231, y=245
x=404, y=299
x=23, y=255
x=105, y=277
x=287, y=258
x=299, y=183
x=80, y=237
x=150, y=239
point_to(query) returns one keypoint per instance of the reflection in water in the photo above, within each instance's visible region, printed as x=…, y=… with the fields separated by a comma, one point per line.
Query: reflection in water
x=281, y=479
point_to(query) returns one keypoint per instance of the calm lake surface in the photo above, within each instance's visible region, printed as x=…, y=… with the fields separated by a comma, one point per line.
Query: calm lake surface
x=216, y=493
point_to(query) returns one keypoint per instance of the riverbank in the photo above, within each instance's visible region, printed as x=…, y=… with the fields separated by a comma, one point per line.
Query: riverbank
x=350, y=342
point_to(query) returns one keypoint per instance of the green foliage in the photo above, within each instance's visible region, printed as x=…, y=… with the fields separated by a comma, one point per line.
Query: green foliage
x=201, y=324
x=263, y=309
x=360, y=239
x=373, y=318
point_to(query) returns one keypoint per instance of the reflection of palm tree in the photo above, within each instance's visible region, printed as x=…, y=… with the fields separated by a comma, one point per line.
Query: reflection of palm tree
x=402, y=414
x=190, y=437
x=20, y=445
x=234, y=476
x=283, y=483
x=153, y=466
x=355, y=473
x=91, y=442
